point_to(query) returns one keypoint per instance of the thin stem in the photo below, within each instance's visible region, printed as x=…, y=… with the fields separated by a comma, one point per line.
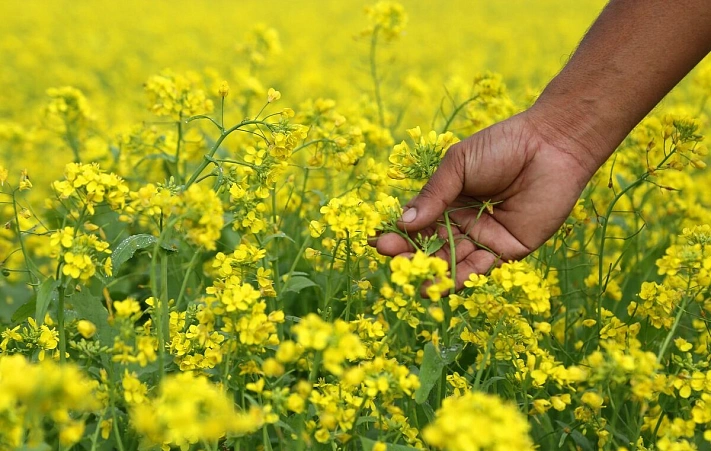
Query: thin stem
x=178, y=148
x=275, y=262
x=162, y=316
x=184, y=285
x=207, y=159
x=60, y=325
x=374, y=75
x=670, y=335
x=222, y=114
x=315, y=141
x=114, y=423
x=348, y=276
x=603, y=236
x=95, y=437
x=203, y=116
x=33, y=282
x=452, y=251
x=456, y=111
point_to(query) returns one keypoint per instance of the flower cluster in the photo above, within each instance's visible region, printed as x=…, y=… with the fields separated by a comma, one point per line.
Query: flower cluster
x=86, y=186
x=188, y=409
x=478, y=421
x=388, y=18
x=80, y=254
x=32, y=394
x=204, y=274
x=421, y=160
x=175, y=96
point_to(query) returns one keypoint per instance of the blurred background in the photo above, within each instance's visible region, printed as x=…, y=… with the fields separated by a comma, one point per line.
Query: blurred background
x=108, y=49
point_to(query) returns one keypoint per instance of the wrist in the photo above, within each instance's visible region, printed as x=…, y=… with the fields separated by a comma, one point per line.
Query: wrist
x=577, y=125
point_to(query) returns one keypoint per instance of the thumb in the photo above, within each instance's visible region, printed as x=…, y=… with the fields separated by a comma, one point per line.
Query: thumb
x=441, y=190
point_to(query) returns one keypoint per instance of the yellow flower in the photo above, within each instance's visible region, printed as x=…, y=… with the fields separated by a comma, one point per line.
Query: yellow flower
x=71, y=433
x=478, y=421
x=224, y=89
x=134, y=391
x=380, y=446
x=126, y=308
x=295, y=403
x=273, y=95
x=187, y=409
x=592, y=399
x=86, y=328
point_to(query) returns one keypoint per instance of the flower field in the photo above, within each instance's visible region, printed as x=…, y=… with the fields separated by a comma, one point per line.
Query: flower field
x=190, y=192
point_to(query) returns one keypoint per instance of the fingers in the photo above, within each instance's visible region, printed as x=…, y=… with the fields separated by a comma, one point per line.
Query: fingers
x=441, y=190
x=478, y=262
x=469, y=258
x=489, y=232
x=392, y=244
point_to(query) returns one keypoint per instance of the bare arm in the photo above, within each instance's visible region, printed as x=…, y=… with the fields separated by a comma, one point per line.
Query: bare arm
x=634, y=53
x=632, y=56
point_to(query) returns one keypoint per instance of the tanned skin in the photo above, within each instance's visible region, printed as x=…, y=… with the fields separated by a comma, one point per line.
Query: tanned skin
x=536, y=164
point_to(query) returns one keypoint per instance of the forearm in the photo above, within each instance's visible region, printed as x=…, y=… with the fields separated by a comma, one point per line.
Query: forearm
x=635, y=52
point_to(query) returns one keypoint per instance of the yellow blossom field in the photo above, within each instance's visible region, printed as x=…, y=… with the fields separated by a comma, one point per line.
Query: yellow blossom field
x=188, y=190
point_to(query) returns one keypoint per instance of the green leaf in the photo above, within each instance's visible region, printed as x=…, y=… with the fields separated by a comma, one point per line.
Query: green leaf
x=485, y=386
x=430, y=372
x=368, y=445
x=24, y=311
x=40, y=447
x=126, y=248
x=277, y=235
x=157, y=156
x=298, y=283
x=47, y=291
x=428, y=411
x=88, y=306
x=449, y=355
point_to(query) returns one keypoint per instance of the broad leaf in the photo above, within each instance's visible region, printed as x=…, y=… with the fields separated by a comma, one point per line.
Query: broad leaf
x=430, y=372
x=47, y=291
x=90, y=307
x=368, y=445
x=128, y=247
x=298, y=283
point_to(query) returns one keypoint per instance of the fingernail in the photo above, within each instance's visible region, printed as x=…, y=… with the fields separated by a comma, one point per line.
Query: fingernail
x=409, y=215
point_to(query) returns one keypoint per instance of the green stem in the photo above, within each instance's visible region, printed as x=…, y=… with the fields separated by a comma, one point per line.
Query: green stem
x=456, y=111
x=670, y=335
x=95, y=436
x=315, y=141
x=119, y=443
x=60, y=325
x=603, y=236
x=275, y=262
x=487, y=352
x=114, y=422
x=207, y=159
x=374, y=75
x=162, y=313
x=314, y=368
x=33, y=282
x=452, y=251
x=222, y=114
x=72, y=141
x=184, y=285
x=158, y=296
x=348, y=276
x=178, y=148
x=297, y=259
x=453, y=275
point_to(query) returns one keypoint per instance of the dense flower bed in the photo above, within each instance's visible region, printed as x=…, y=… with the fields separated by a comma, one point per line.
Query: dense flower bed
x=196, y=274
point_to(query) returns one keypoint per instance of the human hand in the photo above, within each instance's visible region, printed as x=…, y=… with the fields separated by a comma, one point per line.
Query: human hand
x=533, y=177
